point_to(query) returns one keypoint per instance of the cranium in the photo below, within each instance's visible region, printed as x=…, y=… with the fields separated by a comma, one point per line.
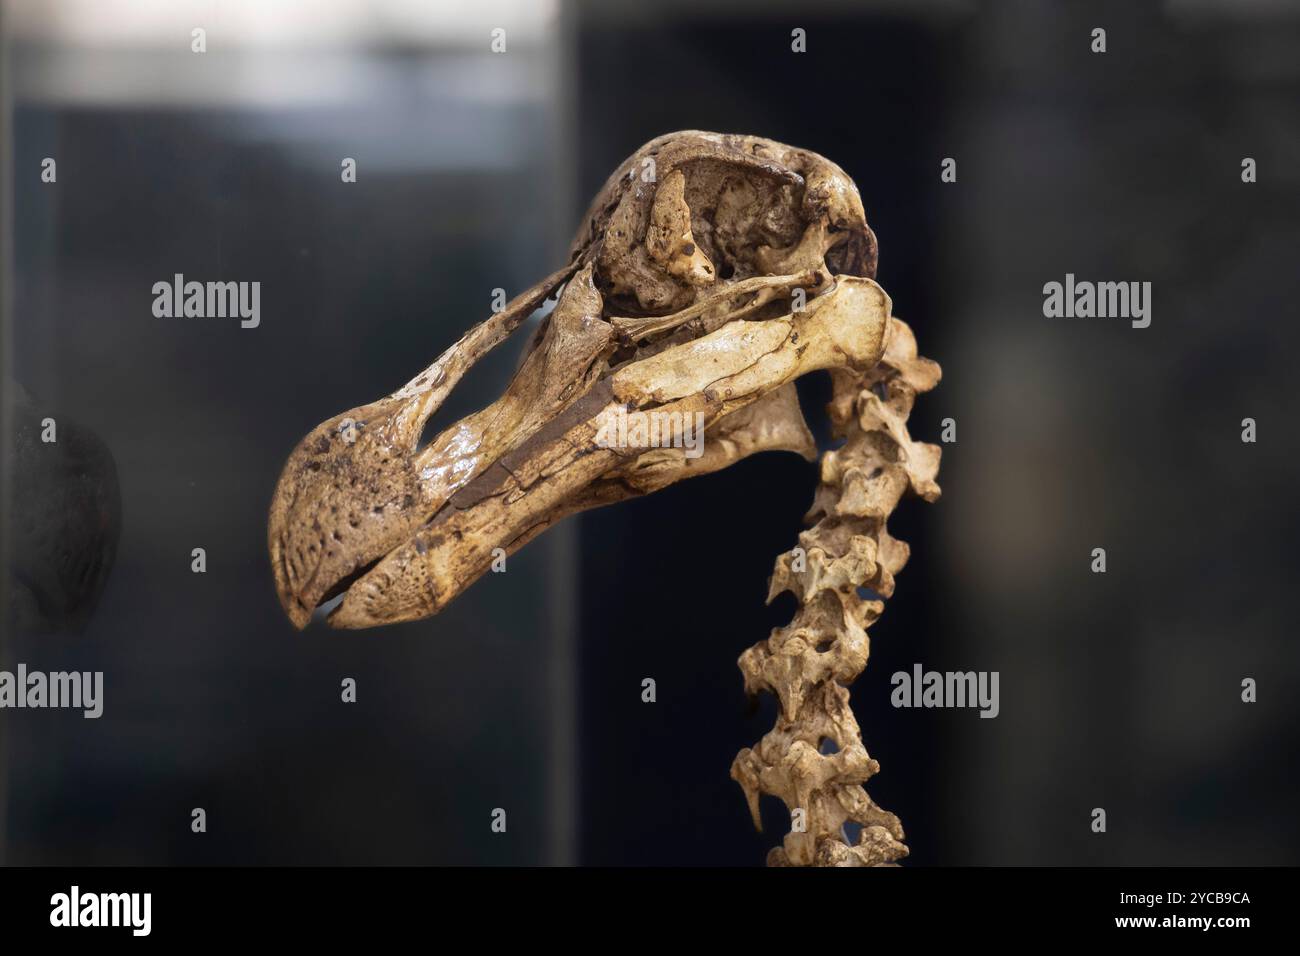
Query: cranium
x=710, y=272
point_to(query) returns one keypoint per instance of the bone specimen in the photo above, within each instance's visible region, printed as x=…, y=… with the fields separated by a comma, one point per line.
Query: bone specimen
x=710, y=272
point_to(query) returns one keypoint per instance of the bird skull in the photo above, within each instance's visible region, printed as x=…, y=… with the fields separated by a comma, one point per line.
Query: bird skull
x=710, y=272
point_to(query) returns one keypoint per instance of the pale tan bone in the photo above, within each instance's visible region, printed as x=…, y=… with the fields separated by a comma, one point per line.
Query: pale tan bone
x=717, y=374
x=826, y=645
x=711, y=271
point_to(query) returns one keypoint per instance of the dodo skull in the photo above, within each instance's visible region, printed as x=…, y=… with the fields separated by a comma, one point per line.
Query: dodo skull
x=710, y=272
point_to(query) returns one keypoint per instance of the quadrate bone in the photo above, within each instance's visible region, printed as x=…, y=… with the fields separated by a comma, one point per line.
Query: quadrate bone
x=699, y=294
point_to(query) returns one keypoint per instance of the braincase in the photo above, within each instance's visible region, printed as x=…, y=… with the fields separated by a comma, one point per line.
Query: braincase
x=741, y=193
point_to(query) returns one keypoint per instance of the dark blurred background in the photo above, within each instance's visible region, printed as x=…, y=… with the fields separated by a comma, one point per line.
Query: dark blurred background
x=1119, y=691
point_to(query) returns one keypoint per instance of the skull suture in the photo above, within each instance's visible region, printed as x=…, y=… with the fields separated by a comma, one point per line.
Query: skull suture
x=711, y=272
